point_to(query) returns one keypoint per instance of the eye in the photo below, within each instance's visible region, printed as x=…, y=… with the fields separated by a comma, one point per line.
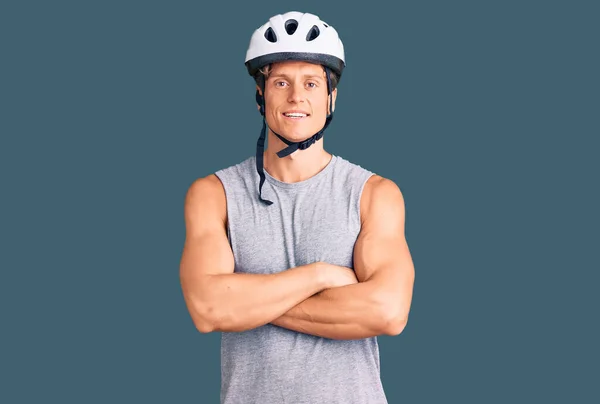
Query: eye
x=280, y=83
x=311, y=84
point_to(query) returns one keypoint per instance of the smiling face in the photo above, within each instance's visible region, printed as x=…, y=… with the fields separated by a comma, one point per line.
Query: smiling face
x=296, y=101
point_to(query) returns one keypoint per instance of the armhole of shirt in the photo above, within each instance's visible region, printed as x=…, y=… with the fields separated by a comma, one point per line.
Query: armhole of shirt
x=224, y=177
x=366, y=175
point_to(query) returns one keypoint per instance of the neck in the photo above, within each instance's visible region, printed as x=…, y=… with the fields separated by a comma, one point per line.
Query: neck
x=298, y=166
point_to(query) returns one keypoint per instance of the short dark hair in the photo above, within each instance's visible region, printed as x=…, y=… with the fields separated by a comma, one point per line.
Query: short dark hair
x=263, y=73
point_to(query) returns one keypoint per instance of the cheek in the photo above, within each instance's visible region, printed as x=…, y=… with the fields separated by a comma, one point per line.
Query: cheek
x=270, y=105
x=320, y=107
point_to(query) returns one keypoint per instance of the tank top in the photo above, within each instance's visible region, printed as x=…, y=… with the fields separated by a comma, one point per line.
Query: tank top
x=317, y=219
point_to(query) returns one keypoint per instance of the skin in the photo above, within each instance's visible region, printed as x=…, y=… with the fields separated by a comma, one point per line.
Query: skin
x=320, y=299
x=296, y=86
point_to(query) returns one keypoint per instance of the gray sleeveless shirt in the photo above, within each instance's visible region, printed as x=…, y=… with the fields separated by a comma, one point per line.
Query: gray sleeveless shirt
x=313, y=220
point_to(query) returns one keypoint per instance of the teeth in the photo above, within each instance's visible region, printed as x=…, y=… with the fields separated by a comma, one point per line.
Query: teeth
x=293, y=115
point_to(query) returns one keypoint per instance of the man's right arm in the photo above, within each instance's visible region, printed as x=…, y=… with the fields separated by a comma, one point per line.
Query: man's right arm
x=219, y=299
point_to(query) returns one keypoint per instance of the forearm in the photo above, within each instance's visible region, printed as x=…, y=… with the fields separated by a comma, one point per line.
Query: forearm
x=347, y=312
x=239, y=302
x=361, y=310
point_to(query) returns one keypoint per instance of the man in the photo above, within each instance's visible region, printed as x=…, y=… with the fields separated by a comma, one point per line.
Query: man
x=296, y=255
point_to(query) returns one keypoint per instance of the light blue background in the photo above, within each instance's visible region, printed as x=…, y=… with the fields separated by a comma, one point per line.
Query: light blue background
x=484, y=113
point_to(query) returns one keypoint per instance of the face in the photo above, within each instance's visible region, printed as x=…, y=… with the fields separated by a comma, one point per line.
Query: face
x=296, y=101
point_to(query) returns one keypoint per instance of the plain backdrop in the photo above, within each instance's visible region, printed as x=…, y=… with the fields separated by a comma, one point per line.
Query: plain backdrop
x=484, y=113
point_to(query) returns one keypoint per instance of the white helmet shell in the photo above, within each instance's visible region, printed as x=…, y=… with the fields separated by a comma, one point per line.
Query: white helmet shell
x=295, y=36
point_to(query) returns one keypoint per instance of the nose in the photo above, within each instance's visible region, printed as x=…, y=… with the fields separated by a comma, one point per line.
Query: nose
x=296, y=94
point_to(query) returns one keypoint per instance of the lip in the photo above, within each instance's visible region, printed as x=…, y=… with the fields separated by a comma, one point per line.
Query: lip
x=295, y=111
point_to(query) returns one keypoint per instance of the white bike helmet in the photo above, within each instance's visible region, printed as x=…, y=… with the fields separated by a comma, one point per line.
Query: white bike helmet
x=293, y=36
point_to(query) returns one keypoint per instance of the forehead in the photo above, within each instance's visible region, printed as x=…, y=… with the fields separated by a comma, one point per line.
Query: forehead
x=295, y=67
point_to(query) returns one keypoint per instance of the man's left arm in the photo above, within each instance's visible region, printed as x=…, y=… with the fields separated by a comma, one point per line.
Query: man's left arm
x=379, y=303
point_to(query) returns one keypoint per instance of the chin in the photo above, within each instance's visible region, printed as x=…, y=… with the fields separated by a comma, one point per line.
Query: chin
x=297, y=135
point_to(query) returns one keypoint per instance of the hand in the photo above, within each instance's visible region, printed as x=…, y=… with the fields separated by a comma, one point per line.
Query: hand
x=337, y=275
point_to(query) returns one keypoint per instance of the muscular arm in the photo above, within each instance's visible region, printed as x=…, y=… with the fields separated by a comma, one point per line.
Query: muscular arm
x=217, y=298
x=380, y=302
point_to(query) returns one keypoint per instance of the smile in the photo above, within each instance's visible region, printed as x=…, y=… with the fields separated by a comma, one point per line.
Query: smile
x=295, y=115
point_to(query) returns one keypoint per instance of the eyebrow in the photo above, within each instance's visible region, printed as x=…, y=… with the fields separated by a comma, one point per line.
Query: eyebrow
x=306, y=76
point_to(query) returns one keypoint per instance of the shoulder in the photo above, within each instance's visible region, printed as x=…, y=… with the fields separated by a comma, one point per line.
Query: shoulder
x=206, y=197
x=201, y=188
x=213, y=187
x=381, y=199
x=205, y=201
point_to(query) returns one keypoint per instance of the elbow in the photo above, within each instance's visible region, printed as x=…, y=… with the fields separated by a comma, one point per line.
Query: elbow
x=394, y=326
x=206, y=310
x=204, y=318
x=392, y=320
x=210, y=319
x=204, y=327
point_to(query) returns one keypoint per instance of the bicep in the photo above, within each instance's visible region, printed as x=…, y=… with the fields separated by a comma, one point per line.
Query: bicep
x=206, y=249
x=381, y=248
x=374, y=255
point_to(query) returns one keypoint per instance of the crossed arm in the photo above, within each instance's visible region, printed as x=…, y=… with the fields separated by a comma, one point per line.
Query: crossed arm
x=308, y=298
x=379, y=303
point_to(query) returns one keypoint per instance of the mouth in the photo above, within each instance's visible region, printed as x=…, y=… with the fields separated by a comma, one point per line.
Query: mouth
x=295, y=115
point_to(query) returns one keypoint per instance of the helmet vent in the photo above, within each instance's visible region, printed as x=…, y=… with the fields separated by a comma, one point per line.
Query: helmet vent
x=313, y=33
x=291, y=26
x=270, y=35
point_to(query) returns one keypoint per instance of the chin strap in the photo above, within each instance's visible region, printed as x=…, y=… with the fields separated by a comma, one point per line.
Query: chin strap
x=292, y=146
x=260, y=147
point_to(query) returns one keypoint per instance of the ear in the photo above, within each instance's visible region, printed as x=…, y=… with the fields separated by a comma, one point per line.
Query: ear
x=334, y=96
x=258, y=95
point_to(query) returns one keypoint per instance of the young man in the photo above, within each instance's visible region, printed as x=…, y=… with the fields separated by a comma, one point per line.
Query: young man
x=296, y=255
